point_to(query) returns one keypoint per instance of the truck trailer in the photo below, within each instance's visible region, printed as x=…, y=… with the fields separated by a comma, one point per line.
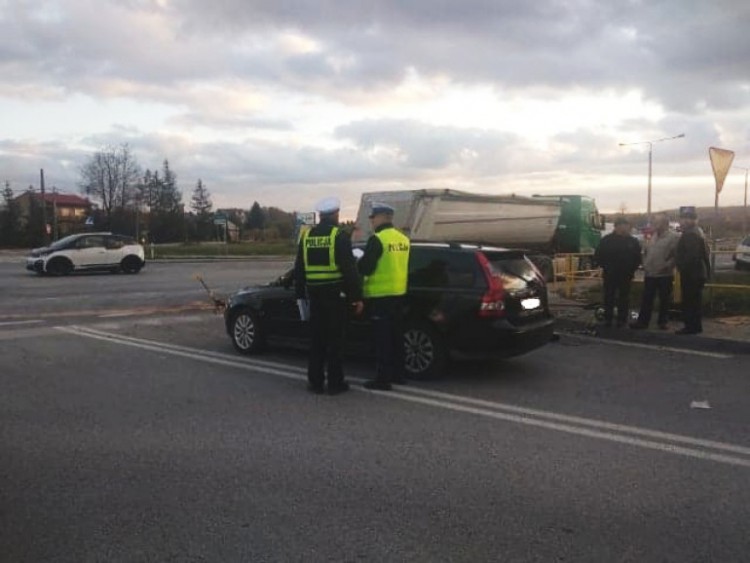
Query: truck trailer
x=542, y=225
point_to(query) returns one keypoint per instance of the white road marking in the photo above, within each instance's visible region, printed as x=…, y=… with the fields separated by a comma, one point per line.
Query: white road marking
x=21, y=333
x=154, y=321
x=13, y=323
x=656, y=347
x=530, y=417
x=114, y=315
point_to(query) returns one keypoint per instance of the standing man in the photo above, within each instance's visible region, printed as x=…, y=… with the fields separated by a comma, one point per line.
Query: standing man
x=658, y=266
x=619, y=255
x=385, y=267
x=694, y=265
x=325, y=273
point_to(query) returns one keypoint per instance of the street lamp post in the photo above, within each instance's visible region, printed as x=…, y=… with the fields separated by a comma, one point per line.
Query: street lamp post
x=744, y=210
x=650, y=161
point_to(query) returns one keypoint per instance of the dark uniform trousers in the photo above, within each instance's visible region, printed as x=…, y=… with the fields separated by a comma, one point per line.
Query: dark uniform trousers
x=616, y=290
x=327, y=323
x=692, y=304
x=661, y=285
x=387, y=322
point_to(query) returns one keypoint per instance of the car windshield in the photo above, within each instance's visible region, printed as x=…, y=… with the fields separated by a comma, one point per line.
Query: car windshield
x=63, y=242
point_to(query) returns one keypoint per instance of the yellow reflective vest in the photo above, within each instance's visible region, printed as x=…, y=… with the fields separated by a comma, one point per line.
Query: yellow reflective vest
x=392, y=270
x=319, y=254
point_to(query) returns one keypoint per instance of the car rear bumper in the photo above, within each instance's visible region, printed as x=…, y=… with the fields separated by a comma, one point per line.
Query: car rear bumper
x=503, y=339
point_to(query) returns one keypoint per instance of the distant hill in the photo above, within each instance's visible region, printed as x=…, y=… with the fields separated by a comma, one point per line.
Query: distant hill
x=729, y=224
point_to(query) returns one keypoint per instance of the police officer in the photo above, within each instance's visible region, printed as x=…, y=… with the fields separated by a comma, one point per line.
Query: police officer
x=385, y=267
x=325, y=273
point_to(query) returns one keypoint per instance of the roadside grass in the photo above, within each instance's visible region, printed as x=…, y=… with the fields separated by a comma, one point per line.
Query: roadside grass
x=717, y=301
x=220, y=250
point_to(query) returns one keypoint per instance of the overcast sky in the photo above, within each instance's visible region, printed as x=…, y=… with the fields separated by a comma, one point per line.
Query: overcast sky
x=286, y=101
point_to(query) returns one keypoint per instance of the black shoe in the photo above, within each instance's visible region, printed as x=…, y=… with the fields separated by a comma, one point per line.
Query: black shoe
x=663, y=326
x=620, y=324
x=316, y=389
x=607, y=324
x=638, y=326
x=377, y=385
x=342, y=387
x=399, y=381
x=684, y=331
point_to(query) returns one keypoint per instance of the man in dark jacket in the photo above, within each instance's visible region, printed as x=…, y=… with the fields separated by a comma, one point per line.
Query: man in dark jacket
x=694, y=265
x=325, y=270
x=619, y=255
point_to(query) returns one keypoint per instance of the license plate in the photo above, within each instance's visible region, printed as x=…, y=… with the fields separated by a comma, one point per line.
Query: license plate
x=531, y=303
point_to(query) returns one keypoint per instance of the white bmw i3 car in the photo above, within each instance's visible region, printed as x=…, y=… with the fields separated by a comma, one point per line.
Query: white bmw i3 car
x=88, y=251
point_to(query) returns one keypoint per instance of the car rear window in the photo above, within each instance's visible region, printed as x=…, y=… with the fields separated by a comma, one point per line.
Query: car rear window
x=441, y=267
x=514, y=270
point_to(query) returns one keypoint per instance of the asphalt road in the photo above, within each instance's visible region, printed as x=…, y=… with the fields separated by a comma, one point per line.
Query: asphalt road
x=133, y=434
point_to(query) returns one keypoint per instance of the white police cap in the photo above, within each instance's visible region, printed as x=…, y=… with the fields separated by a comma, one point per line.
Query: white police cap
x=328, y=205
x=378, y=208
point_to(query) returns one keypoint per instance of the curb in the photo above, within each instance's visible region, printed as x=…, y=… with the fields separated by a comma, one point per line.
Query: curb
x=700, y=343
x=205, y=259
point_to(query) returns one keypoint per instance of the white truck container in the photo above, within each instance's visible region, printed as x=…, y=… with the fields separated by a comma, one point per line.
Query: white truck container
x=451, y=215
x=542, y=225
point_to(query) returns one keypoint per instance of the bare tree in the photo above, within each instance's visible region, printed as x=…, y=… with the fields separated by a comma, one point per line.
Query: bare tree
x=111, y=176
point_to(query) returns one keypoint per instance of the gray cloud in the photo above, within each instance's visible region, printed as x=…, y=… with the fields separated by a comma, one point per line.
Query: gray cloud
x=689, y=56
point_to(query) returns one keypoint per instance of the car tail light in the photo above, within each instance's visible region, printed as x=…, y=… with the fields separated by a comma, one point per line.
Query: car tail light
x=493, y=300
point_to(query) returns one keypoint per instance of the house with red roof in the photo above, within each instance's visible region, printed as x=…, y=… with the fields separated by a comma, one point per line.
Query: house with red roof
x=69, y=210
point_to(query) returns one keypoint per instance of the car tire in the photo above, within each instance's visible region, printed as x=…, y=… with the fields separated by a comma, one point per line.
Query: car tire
x=59, y=267
x=131, y=264
x=246, y=331
x=425, y=356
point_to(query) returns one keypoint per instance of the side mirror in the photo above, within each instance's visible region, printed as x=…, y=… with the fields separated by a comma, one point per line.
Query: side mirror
x=286, y=281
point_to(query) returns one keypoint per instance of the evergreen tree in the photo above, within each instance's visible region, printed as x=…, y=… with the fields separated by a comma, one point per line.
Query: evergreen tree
x=202, y=205
x=201, y=200
x=256, y=219
x=164, y=199
x=9, y=223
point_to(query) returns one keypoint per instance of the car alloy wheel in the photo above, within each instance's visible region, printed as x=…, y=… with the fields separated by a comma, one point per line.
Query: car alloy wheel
x=246, y=332
x=424, y=357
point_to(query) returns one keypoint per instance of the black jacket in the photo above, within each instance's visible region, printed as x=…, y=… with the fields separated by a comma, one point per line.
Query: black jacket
x=350, y=285
x=692, y=255
x=618, y=255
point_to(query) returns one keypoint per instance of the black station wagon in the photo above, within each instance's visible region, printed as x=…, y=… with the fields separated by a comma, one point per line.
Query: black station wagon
x=462, y=301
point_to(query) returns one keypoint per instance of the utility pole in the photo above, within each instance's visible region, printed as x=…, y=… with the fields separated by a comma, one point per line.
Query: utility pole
x=744, y=210
x=44, y=204
x=55, y=233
